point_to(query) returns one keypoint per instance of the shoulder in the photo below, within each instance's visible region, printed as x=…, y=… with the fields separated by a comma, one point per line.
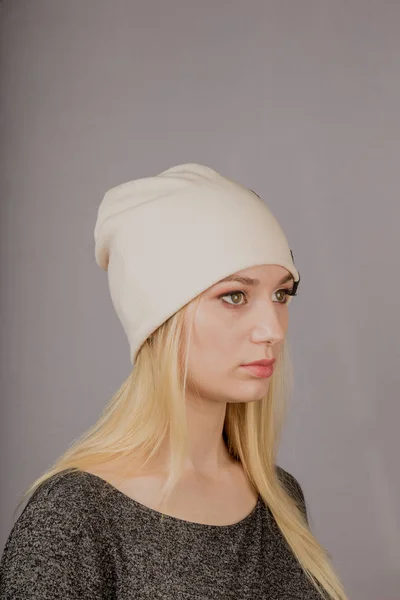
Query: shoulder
x=289, y=481
x=67, y=495
x=58, y=539
x=64, y=505
x=71, y=484
x=293, y=488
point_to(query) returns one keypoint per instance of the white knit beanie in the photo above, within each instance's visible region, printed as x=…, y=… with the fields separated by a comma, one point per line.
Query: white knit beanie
x=165, y=239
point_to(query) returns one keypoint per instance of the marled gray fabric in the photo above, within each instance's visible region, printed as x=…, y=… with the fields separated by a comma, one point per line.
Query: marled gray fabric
x=79, y=537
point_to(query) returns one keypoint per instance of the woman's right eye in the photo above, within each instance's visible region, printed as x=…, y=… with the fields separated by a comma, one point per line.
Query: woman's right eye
x=235, y=293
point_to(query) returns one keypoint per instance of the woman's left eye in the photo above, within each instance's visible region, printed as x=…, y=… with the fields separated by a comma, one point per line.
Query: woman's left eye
x=286, y=297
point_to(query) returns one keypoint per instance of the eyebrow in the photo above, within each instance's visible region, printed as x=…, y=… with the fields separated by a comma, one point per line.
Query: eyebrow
x=251, y=281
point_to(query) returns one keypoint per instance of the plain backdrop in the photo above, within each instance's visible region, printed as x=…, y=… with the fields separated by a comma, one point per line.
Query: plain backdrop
x=298, y=100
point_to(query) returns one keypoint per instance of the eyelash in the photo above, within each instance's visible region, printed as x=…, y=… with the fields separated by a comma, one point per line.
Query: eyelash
x=289, y=292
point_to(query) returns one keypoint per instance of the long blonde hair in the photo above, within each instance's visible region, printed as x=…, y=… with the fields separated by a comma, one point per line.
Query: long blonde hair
x=150, y=405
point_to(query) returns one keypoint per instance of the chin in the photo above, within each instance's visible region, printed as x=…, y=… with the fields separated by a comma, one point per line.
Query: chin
x=252, y=395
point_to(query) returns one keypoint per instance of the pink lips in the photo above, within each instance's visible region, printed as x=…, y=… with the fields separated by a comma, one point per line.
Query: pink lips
x=261, y=368
x=265, y=362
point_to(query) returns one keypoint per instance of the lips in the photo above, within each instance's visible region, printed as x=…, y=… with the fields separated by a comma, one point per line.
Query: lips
x=262, y=363
x=258, y=370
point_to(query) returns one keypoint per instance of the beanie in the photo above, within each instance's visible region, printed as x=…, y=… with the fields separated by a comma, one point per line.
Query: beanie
x=165, y=239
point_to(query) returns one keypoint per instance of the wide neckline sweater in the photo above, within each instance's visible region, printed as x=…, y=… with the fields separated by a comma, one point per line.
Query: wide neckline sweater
x=79, y=537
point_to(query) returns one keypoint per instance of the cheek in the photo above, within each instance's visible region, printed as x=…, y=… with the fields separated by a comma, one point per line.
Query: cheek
x=210, y=354
x=214, y=342
x=208, y=347
x=210, y=329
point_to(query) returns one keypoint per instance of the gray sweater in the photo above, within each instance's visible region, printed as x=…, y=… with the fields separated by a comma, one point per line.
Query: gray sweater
x=79, y=537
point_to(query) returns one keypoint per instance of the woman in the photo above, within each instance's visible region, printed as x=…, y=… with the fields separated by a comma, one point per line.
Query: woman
x=175, y=491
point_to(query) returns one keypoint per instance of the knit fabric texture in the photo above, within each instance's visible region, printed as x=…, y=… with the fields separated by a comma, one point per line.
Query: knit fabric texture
x=79, y=537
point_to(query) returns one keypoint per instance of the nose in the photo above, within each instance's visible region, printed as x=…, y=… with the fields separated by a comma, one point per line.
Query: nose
x=270, y=326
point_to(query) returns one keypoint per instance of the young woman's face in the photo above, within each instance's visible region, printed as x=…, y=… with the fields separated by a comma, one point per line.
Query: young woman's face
x=237, y=322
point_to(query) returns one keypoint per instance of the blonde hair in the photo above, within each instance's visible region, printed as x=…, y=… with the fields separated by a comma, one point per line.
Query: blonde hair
x=150, y=405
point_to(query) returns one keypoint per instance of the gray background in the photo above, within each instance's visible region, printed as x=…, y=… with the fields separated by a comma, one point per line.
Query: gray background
x=299, y=101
